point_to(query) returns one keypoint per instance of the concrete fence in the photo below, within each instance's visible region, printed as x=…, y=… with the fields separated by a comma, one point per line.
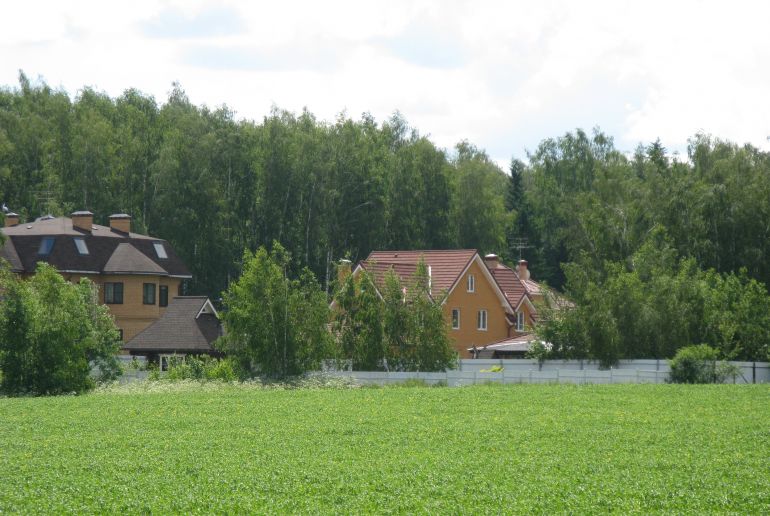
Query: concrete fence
x=478, y=371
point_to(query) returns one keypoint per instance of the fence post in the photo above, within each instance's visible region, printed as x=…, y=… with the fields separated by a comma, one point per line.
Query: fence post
x=611, y=380
x=557, y=376
x=637, y=376
x=530, y=376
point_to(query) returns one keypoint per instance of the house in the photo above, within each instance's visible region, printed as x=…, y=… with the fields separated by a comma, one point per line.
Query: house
x=484, y=301
x=138, y=275
x=188, y=326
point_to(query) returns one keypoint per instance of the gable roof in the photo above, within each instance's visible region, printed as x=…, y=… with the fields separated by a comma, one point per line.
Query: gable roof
x=23, y=242
x=190, y=324
x=446, y=266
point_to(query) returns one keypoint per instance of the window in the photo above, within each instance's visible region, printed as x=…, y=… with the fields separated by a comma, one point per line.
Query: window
x=148, y=297
x=160, y=250
x=163, y=295
x=113, y=293
x=471, y=283
x=482, y=320
x=120, y=334
x=46, y=246
x=519, y=321
x=80, y=245
x=455, y=318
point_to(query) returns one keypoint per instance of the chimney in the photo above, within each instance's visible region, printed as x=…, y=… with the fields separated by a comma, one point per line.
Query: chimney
x=343, y=270
x=120, y=222
x=492, y=261
x=83, y=220
x=522, y=270
x=11, y=219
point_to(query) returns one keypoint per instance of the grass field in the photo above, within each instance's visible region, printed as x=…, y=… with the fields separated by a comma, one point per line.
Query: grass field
x=493, y=449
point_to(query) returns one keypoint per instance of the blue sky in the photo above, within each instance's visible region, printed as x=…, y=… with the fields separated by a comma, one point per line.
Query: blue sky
x=503, y=75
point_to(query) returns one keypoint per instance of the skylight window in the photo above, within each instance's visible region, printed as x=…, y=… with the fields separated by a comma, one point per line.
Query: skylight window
x=80, y=243
x=46, y=246
x=160, y=250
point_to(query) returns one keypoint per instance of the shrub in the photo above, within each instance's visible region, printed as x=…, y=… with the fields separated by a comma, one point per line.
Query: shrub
x=699, y=364
x=202, y=367
x=53, y=333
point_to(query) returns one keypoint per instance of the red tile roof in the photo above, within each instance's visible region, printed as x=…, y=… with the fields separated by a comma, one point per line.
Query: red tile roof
x=445, y=265
x=509, y=282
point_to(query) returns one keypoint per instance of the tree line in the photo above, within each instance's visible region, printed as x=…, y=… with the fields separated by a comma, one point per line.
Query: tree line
x=214, y=186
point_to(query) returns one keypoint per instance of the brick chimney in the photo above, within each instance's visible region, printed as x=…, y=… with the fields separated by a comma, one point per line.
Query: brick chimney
x=83, y=220
x=492, y=261
x=522, y=270
x=120, y=222
x=11, y=219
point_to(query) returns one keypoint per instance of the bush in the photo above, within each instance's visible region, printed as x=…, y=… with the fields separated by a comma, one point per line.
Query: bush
x=699, y=364
x=53, y=333
x=202, y=367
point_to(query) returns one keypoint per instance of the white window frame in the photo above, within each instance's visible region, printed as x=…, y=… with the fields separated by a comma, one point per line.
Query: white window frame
x=482, y=320
x=471, y=283
x=519, y=321
x=455, y=319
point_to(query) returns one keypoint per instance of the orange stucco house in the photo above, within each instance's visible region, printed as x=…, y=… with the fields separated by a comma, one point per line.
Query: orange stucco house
x=484, y=301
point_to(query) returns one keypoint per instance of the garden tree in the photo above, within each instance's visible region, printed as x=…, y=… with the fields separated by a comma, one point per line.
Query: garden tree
x=276, y=326
x=432, y=348
x=654, y=305
x=358, y=322
x=414, y=326
x=51, y=334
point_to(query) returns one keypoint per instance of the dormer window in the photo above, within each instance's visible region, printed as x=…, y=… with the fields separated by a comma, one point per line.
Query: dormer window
x=46, y=246
x=471, y=283
x=81, y=246
x=160, y=250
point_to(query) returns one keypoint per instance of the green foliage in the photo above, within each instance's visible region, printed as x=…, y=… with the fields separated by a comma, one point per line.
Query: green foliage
x=654, y=305
x=414, y=327
x=700, y=364
x=358, y=322
x=552, y=450
x=276, y=326
x=403, y=331
x=52, y=333
x=202, y=367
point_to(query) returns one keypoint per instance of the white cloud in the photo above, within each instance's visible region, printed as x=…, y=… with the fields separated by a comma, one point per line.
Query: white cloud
x=504, y=75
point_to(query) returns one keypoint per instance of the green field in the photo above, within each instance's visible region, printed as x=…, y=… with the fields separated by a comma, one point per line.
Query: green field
x=493, y=449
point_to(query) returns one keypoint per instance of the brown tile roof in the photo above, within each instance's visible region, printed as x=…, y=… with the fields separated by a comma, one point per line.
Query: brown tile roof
x=24, y=239
x=445, y=265
x=182, y=328
x=509, y=283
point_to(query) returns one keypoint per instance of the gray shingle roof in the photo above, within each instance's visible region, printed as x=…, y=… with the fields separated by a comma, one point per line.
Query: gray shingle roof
x=23, y=241
x=127, y=259
x=189, y=325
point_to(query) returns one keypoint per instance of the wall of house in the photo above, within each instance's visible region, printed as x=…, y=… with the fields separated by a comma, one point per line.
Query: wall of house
x=133, y=315
x=469, y=304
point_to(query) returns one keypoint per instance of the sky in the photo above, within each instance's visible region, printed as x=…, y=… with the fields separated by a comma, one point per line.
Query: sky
x=503, y=75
